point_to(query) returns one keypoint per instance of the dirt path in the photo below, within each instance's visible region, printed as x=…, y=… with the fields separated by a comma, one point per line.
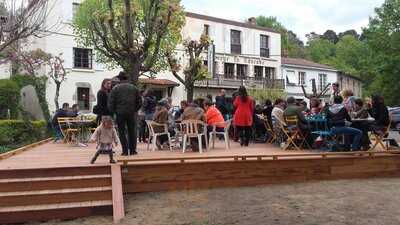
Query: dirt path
x=372, y=202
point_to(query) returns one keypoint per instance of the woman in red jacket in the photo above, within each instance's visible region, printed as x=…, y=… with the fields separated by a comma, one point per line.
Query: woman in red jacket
x=243, y=117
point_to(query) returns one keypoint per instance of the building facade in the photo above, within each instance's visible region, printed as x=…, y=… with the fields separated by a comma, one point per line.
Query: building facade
x=301, y=72
x=245, y=54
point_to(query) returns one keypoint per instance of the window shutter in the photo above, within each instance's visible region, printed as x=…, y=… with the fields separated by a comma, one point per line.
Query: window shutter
x=68, y=58
x=97, y=65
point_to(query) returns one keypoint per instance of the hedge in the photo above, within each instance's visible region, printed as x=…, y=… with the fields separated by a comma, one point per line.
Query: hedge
x=9, y=98
x=17, y=133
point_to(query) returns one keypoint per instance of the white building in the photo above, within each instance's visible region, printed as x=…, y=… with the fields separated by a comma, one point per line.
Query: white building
x=245, y=54
x=298, y=72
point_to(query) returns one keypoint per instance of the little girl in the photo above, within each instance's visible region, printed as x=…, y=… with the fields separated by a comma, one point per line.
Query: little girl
x=105, y=135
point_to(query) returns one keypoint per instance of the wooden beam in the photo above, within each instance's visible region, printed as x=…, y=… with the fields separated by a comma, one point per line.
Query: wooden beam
x=23, y=149
x=117, y=194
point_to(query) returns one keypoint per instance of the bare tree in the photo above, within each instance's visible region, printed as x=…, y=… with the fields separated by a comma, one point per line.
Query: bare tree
x=58, y=74
x=20, y=19
x=195, y=70
x=29, y=62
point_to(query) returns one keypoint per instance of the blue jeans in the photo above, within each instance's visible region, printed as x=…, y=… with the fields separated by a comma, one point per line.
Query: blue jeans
x=355, y=133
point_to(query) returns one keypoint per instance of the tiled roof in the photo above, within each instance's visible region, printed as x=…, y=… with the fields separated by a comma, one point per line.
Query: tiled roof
x=304, y=62
x=230, y=22
x=164, y=82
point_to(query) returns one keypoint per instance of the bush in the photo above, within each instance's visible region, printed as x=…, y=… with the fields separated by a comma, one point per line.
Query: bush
x=17, y=133
x=9, y=98
x=260, y=95
x=40, y=86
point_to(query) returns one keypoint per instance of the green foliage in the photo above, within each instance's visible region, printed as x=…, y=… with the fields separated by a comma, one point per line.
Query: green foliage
x=9, y=98
x=383, y=38
x=138, y=42
x=40, y=86
x=260, y=95
x=291, y=45
x=320, y=49
x=17, y=133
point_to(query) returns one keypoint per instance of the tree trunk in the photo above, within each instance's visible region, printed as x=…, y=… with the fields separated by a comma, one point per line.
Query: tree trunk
x=133, y=72
x=58, y=84
x=189, y=93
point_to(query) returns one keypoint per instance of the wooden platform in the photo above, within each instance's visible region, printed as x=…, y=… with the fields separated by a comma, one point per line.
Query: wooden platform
x=56, y=181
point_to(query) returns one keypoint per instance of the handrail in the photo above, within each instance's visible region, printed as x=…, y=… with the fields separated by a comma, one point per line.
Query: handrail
x=126, y=159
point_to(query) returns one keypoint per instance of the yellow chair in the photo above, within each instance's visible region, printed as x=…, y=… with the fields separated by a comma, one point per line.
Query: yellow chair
x=68, y=132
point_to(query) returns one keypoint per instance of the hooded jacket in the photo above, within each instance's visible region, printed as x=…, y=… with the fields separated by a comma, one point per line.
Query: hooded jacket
x=337, y=115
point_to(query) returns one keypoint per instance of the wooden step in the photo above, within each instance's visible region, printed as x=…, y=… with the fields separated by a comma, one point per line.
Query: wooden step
x=21, y=214
x=54, y=184
x=54, y=172
x=47, y=197
x=46, y=192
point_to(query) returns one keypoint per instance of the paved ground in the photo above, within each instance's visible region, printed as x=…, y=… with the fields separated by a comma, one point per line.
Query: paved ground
x=355, y=202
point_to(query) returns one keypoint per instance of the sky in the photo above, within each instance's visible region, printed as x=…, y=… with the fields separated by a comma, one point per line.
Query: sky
x=300, y=16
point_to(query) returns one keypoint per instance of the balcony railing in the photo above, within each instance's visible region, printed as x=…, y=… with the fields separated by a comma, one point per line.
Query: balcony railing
x=222, y=81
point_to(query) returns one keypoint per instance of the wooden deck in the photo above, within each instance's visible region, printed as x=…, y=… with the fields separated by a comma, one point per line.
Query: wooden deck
x=63, y=155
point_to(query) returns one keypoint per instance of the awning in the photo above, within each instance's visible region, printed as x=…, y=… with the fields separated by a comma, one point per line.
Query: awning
x=160, y=82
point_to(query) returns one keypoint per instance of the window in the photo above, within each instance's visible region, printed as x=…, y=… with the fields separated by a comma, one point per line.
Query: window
x=241, y=71
x=302, y=78
x=258, y=72
x=322, y=81
x=264, y=46
x=83, y=58
x=75, y=7
x=206, y=29
x=229, y=69
x=269, y=73
x=236, y=47
x=83, y=98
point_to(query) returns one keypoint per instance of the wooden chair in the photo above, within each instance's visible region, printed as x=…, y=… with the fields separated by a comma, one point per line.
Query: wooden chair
x=194, y=129
x=272, y=135
x=380, y=137
x=67, y=130
x=213, y=134
x=293, y=132
x=153, y=134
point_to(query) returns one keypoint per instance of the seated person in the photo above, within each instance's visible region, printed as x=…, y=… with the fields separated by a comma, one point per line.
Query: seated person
x=305, y=110
x=63, y=112
x=178, y=114
x=379, y=112
x=360, y=112
x=194, y=112
x=337, y=115
x=161, y=117
x=213, y=116
x=315, y=105
x=74, y=112
x=277, y=111
x=293, y=110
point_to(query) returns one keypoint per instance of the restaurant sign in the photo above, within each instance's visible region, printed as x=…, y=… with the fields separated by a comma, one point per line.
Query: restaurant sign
x=241, y=60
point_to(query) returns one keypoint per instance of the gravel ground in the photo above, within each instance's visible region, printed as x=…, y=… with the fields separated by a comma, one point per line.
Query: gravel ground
x=372, y=202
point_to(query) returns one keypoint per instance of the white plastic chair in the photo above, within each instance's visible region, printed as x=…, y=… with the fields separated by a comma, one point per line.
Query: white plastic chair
x=213, y=134
x=194, y=129
x=153, y=135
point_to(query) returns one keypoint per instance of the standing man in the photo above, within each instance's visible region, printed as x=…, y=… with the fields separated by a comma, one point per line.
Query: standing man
x=220, y=103
x=125, y=101
x=335, y=92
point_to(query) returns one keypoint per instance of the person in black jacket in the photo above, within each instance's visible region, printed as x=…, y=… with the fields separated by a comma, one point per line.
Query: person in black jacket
x=102, y=100
x=125, y=101
x=221, y=104
x=337, y=116
x=379, y=112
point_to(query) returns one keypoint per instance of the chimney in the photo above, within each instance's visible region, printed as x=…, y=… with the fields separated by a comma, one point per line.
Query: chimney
x=252, y=21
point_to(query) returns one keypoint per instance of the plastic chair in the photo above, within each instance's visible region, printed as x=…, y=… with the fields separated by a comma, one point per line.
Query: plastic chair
x=194, y=129
x=153, y=135
x=213, y=134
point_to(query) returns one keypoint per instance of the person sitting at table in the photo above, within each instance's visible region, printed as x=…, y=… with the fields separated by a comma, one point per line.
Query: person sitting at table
x=63, y=112
x=293, y=110
x=213, y=117
x=360, y=112
x=74, y=112
x=194, y=112
x=277, y=111
x=337, y=116
x=178, y=115
x=267, y=110
x=348, y=100
x=315, y=106
x=379, y=112
x=161, y=117
x=305, y=110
